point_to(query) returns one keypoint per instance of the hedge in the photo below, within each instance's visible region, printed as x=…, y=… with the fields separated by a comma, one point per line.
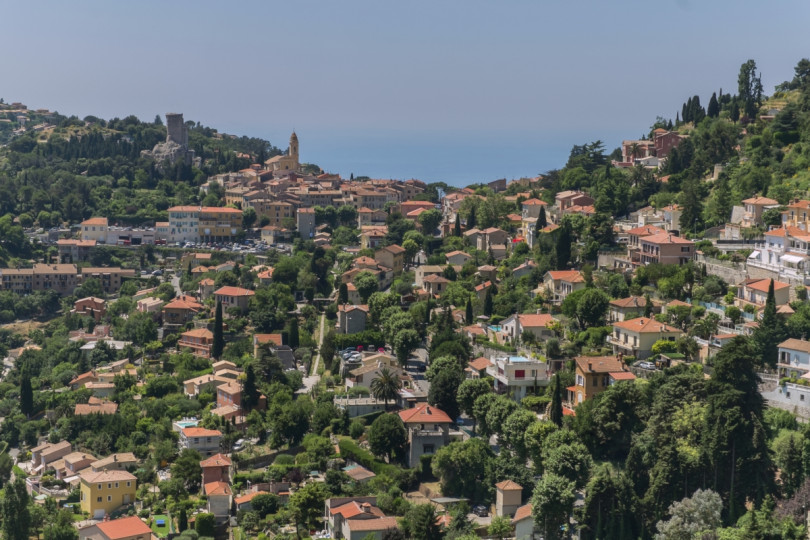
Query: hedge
x=350, y=450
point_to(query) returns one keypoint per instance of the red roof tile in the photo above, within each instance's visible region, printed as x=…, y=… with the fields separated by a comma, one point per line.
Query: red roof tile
x=124, y=527
x=424, y=413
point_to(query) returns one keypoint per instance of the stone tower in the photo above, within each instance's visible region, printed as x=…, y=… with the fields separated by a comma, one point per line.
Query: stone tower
x=294, y=147
x=176, y=131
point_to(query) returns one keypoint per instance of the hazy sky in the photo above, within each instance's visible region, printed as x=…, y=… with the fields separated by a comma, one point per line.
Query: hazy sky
x=454, y=89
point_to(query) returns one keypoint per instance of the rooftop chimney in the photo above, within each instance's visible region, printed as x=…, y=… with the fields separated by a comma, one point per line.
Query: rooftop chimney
x=590, y=366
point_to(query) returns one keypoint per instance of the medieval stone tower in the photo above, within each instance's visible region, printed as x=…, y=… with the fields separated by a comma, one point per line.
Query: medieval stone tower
x=176, y=130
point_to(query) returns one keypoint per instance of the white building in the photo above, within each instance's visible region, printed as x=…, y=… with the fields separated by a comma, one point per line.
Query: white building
x=516, y=376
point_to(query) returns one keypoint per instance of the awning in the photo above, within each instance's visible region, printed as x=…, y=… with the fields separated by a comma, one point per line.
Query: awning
x=792, y=258
x=754, y=255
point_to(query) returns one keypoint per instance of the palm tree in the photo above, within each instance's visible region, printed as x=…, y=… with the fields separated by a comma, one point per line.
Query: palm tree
x=386, y=386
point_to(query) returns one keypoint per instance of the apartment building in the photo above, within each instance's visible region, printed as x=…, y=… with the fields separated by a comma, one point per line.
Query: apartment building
x=110, y=278
x=517, y=376
x=204, y=223
x=666, y=248
x=94, y=229
x=199, y=340
x=106, y=491
x=594, y=374
x=205, y=441
x=428, y=430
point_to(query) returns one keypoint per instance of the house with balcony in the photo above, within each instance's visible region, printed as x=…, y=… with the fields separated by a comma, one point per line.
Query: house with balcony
x=594, y=374
x=199, y=340
x=558, y=284
x=428, y=430
x=204, y=441
x=635, y=337
x=356, y=518
x=754, y=208
x=518, y=325
x=392, y=257
x=755, y=292
x=665, y=248
x=785, y=250
x=794, y=358
x=518, y=376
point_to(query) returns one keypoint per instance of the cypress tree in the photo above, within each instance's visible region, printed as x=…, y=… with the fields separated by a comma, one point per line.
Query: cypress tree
x=563, y=248
x=26, y=394
x=648, y=307
x=468, y=312
x=542, y=221
x=555, y=412
x=250, y=394
x=488, y=303
x=219, y=340
x=343, y=294
x=714, y=107
x=16, y=516
x=294, y=333
x=457, y=226
x=182, y=520
x=770, y=331
x=471, y=219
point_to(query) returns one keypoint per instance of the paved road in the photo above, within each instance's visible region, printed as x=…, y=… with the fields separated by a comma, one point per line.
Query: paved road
x=418, y=360
x=313, y=379
x=175, y=281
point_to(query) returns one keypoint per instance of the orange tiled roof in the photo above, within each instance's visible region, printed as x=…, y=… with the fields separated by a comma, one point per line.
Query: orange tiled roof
x=644, y=325
x=424, y=413
x=124, y=528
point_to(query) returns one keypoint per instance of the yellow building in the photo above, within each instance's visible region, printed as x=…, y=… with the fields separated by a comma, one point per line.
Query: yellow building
x=219, y=224
x=288, y=161
x=105, y=491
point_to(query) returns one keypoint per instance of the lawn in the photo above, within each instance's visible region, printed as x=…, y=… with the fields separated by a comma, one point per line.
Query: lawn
x=161, y=531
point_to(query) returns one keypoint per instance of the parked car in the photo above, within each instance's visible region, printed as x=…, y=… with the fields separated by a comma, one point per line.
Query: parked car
x=480, y=510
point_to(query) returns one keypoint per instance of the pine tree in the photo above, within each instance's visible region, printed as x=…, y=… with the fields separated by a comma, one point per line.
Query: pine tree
x=294, y=338
x=488, y=303
x=555, y=412
x=26, y=394
x=219, y=340
x=468, y=312
x=542, y=221
x=16, y=516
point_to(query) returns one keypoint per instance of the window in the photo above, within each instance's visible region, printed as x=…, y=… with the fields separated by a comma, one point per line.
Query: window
x=99, y=486
x=427, y=448
x=109, y=498
x=129, y=484
x=520, y=373
x=109, y=485
x=116, y=485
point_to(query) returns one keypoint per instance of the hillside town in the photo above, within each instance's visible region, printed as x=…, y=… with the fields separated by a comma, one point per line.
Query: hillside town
x=282, y=352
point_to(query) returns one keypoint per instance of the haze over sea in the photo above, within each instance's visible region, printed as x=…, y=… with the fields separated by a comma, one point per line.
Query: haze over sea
x=459, y=159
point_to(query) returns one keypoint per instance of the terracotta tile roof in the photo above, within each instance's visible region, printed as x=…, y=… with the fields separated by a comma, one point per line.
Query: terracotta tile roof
x=483, y=286
x=217, y=488
x=630, y=302
x=599, y=364
x=125, y=457
x=535, y=320
x=646, y=230
x=508, y=485
x=762, y=285
x=480, y=363
x=535, y=202
x=124, y=528
x=675, y=303
x=201, y=432
x=249, y=497
x=365, y=525
x=199, y=332
x=424, y=413
x=106, y=476
x=101, y=408
x=95, y=221
x=666, y=238
x=183, y=304
x=359, y=473
x=522, y=513
x=395, y=249
x=207, y=281
x=234, y=291
x=643, y=325
x=760, y=200
x=217, y=460
x=435, y=278
x=571, y=276
x=796, y=345
x=474, y=329
x=622, y=376
x=263, y=339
